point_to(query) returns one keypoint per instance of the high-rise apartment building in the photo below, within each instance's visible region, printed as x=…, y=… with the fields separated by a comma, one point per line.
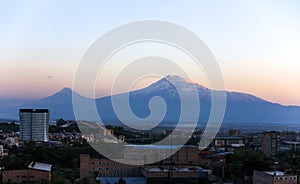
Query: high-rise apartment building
x=271, y=143
x=34, y=124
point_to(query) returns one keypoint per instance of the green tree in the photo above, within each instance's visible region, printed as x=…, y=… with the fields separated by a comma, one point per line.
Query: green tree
x=60, y=122
x=243, y=155
x=121, y=181
x=59, y=180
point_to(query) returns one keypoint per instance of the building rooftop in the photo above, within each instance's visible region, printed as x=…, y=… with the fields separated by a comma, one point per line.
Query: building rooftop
x=40, y=166
x=35, y=110
x=291, y=142
x=228, y=138
x=277, y=173
x=160, y=146
x=129, y=180
x=31, y=165
x=220, y=154
x=180, y=169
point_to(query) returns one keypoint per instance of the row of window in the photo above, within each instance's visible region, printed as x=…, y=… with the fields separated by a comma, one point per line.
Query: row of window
x=286, y=178
x=113, y=168
x=23, y=176
x=105, y=163
x=114, y=174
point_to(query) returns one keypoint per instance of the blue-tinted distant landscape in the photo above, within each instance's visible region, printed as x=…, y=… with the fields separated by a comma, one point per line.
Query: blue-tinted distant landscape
x=242, y=109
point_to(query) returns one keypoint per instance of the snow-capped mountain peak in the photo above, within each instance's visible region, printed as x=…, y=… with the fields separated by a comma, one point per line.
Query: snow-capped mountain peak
x=174, y=83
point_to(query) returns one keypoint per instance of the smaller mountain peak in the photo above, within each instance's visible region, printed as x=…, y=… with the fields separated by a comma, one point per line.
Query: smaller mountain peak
x=65, y=92
x=66, y=89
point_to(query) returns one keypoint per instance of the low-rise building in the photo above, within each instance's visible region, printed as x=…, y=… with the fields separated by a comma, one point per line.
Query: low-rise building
x=93, y=167
x=290, y=145
x=172, y=174
x=135, y=156
x=140, y=154
x=230, y=141
x=273, y=177
x=3, y=152
x=27, y=173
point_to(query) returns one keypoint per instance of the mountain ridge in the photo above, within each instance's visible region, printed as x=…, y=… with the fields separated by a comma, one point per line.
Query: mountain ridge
x=241, y=107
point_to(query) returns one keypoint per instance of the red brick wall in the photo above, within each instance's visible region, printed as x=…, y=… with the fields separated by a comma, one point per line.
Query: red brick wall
x=84, y=166
x=24, y=175
x=103, y=167
x=187, y=156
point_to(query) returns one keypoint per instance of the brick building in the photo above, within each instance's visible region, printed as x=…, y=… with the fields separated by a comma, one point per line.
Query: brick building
x=140, y=154
x=179, y=174
x=273, y=177
x=92, y=167
x=28, y=173
x=136, y=156
x=175, y=172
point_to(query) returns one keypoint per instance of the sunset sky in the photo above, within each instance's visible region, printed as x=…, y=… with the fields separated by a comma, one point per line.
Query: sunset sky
x=256, y=42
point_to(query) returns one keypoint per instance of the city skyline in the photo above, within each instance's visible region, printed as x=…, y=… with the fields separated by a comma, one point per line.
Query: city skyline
x=256, y=44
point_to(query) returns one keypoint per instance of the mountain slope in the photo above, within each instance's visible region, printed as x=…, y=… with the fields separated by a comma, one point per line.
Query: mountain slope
x=241, y=107
x=60, y=105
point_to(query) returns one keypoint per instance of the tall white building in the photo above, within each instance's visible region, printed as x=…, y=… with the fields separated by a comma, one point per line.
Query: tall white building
x=34, y=124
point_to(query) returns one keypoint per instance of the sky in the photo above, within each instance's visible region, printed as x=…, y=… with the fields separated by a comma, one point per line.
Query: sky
x=256, y=42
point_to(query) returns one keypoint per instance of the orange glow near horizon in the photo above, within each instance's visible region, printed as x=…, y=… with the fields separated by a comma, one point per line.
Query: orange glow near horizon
x=270, y=80
x=256, y=44
x=271, y=85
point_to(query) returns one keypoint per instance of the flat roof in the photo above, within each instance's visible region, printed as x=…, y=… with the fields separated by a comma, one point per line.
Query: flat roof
x=129, y=180
x=160, y=146
x=177, y=169
x=35, y=110
x=228, y=138
x=40, y=166
x=220, y=154
x=277, y=173
x=291, y=142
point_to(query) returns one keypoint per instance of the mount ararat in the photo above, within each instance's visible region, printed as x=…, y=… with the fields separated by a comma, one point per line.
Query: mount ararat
x=240, y=107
